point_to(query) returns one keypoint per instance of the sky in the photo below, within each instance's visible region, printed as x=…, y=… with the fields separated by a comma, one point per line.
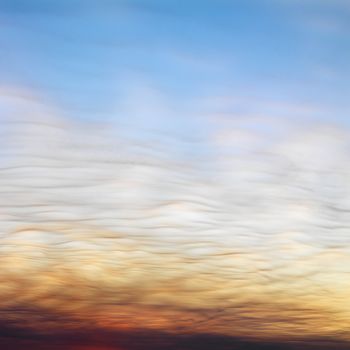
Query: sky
x=91, y=58
x=176, y=171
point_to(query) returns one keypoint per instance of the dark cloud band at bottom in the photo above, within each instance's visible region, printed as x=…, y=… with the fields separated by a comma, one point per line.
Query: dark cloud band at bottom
x=12, y=338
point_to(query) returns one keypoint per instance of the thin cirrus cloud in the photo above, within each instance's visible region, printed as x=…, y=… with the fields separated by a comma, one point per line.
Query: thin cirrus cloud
x=102, y=228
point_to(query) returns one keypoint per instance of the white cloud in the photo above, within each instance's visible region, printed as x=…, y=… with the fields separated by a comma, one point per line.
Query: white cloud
x=243, y=231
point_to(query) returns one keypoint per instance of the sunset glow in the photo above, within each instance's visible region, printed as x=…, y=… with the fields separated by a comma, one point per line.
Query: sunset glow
x=174, y=176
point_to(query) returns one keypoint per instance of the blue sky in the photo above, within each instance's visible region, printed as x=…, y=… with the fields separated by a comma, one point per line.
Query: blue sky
x=90, y=58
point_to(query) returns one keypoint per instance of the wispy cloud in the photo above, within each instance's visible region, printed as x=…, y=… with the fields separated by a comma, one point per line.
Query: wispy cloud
x=100, y=227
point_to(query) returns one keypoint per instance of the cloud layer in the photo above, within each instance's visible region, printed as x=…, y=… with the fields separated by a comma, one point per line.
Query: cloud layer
x=107, y=228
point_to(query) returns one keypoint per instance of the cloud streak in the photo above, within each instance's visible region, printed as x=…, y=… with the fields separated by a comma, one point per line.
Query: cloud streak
x=100, y=228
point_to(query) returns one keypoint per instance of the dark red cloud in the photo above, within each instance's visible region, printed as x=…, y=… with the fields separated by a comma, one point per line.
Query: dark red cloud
x=12, y=338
